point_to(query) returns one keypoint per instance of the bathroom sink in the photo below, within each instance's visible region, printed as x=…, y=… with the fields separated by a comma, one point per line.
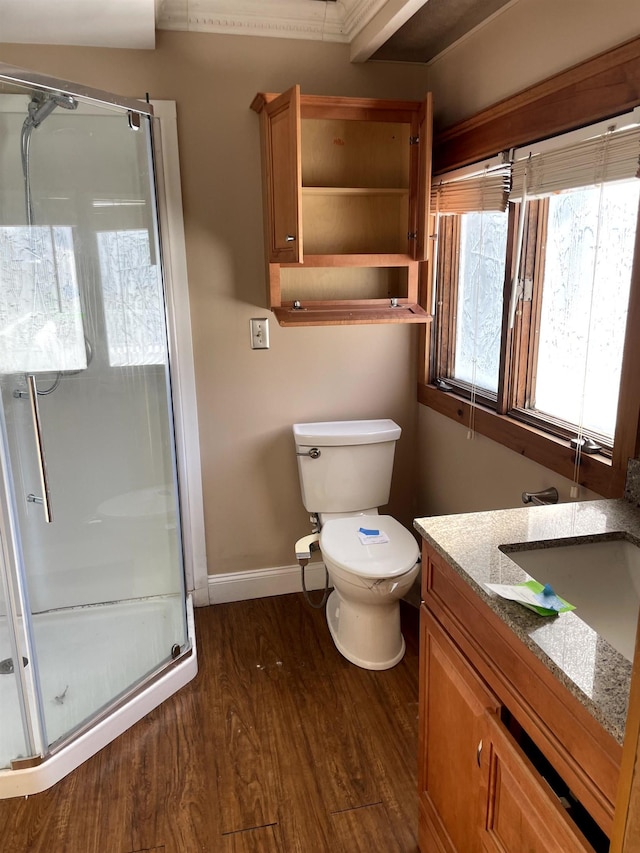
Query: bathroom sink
x=601, y=578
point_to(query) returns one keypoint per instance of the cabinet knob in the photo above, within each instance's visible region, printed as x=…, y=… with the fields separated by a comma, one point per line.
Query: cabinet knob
x=479, y=753
x=290, y=238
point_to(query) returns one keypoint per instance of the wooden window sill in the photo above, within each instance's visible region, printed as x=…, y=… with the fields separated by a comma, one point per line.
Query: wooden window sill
x=597, y=473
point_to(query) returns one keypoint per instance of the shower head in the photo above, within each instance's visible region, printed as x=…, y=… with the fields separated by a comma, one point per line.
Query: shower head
x=43, y=104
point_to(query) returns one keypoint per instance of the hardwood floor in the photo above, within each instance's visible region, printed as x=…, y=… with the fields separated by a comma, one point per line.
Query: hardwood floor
x=279, y=745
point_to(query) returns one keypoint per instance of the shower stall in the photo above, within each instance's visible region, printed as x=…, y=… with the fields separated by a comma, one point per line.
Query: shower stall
x=96, y=627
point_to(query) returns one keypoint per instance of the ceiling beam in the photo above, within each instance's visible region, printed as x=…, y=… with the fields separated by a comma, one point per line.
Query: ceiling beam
x=382, y=26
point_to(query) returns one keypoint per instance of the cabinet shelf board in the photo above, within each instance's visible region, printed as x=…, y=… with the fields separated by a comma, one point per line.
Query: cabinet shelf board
x=318, y=314
x=366, y=191
x=347, y=260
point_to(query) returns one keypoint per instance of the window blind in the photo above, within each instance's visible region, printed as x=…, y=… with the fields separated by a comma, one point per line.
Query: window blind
x=486, y=191
x=613, y=156
x=561, y=163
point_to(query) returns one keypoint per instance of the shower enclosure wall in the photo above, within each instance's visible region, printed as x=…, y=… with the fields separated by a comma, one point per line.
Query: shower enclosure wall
x=95, y=623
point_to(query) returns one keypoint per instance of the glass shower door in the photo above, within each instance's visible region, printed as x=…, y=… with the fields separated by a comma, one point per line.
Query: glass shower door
x=85, y=388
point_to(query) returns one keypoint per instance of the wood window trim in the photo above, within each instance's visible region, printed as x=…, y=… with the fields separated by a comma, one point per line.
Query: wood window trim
x=599, y=88
x=604, y=86
x=596, y=472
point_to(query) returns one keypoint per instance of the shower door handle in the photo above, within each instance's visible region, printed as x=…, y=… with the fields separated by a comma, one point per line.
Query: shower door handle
x=42, y=461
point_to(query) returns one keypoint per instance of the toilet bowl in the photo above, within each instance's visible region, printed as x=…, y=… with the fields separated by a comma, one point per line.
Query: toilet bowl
x=369, y=579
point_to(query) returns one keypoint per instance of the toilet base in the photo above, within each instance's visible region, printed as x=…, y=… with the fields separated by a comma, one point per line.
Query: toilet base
x=367, y=635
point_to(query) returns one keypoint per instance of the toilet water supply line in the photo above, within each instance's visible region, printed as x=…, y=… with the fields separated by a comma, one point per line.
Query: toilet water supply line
x=304, y=547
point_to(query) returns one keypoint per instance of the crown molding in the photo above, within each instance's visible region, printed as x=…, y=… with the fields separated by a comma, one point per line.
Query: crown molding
x=358, y=14
x=302, y=19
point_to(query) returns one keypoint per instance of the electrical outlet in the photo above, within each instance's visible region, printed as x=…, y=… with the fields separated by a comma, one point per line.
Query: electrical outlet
x=259, y=333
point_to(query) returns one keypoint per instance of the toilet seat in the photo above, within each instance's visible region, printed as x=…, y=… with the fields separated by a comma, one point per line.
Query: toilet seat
x=340, y=544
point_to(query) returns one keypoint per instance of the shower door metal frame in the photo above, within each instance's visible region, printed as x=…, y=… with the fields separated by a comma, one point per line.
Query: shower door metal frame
x=10, y=543
x=23, y=77
x=185, y=412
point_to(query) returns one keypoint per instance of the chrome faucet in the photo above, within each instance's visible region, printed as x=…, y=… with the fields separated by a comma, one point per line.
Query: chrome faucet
x=543, y=498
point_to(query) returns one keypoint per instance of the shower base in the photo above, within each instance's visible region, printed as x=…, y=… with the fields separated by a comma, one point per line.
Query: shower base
x=88, y=658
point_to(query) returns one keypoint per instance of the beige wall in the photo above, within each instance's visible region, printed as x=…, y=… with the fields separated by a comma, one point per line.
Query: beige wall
x=466, y=472
x=248, y=399
x=527, y=42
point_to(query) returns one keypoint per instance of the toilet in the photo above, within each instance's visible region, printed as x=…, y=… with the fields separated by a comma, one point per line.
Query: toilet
x=345, y=470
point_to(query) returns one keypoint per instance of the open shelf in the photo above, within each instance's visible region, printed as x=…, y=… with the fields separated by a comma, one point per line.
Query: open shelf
x=346, y=290
x=326, y=284
x=350, y=153
x=357, y=221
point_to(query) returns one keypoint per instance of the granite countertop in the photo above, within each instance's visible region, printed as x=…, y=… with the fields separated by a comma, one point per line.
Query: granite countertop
x=592, y=670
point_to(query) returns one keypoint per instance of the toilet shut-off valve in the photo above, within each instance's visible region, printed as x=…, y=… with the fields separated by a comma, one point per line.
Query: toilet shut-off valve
x=305, y=546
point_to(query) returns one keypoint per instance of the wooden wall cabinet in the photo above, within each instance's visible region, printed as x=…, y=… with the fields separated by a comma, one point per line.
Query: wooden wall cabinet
x=346, y=185
x=492, y=772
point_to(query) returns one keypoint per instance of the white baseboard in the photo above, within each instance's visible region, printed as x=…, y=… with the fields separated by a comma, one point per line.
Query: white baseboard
x=240, y=586
x=200, y=595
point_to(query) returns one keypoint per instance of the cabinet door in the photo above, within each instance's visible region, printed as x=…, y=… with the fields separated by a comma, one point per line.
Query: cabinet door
x=453, y=732
x=425, y=135
x=523, y=814
x=282, y=171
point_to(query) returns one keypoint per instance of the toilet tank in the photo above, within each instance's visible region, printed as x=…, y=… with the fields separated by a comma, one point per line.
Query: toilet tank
x=353, y=469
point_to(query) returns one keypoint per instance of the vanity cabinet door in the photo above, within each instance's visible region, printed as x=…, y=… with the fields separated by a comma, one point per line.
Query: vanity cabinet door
x=453, y=737
x=523, y=815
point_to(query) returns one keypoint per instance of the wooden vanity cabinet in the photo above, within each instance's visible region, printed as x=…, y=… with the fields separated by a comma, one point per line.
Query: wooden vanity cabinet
x=346, y=185
x=492, y=770
x=478, y=791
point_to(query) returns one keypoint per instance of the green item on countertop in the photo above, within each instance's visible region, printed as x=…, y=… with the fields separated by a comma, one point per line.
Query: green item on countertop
x=538, y=597
x=542, y=593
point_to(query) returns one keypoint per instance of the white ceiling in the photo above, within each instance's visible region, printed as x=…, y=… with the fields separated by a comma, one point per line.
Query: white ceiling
x=365, y=24
x=98, y=23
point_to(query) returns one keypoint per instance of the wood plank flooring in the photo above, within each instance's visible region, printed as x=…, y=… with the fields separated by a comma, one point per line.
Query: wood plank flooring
x=279, y=745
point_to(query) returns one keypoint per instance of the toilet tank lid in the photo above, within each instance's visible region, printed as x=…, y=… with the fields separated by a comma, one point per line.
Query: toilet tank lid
x=339, y=433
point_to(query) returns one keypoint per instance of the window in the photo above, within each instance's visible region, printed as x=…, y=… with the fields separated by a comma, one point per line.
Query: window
x=583, y=311
x=132, y=298
x=532, y=291
x=41, y=326
x=480, y=242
